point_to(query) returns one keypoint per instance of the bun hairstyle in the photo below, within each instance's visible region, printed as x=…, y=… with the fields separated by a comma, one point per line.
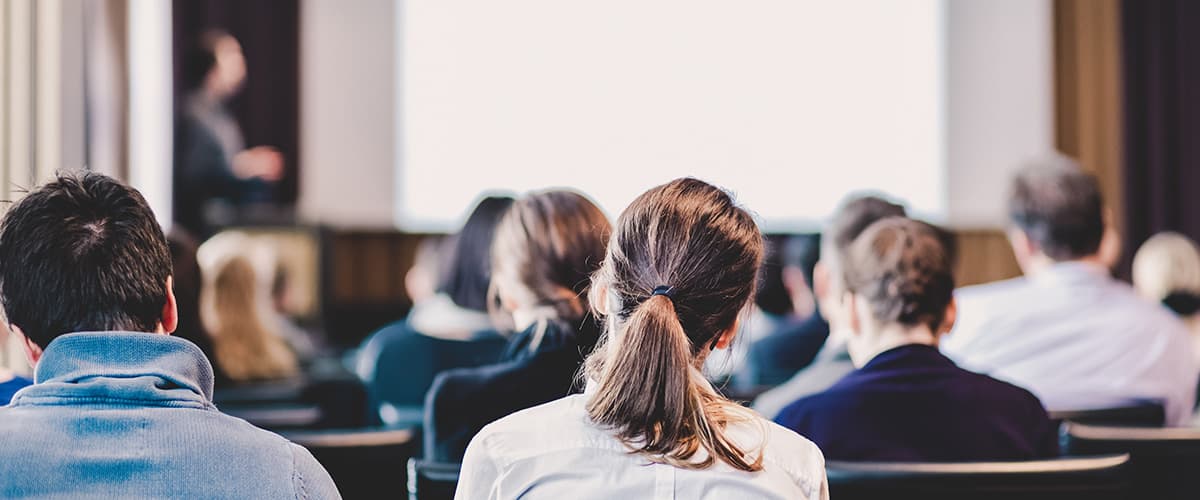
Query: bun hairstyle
x=545, y=249
x=904, y=270
x=680, y=268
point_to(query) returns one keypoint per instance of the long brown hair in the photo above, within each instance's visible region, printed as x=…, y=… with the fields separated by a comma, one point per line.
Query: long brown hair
x=689, y=236
x=544, y=252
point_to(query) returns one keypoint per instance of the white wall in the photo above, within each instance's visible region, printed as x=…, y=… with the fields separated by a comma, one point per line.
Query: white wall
x=999, y=106
x=1000, y=101
x=348, y=123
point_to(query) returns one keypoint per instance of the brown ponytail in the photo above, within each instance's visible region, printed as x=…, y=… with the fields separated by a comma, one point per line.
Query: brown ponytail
x=690, y=236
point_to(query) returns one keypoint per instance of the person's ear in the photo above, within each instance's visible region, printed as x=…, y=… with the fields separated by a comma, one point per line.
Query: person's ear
x=33, y=352
x=170, y=313
x=1110, y=243
x=821, y=279
x=1023, y=248
x=948, y=319
x=725, y=338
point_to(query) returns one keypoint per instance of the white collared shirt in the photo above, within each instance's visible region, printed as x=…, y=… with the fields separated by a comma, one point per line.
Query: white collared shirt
x=554, y=451
x=1077, y=339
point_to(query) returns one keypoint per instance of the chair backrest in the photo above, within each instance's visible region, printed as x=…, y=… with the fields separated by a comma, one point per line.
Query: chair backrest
x=1143, y=415
x=1094, y=478
x=1164, y=461
x=276, y=416
x=398, y=353
x=364, y=463
x=432, y=480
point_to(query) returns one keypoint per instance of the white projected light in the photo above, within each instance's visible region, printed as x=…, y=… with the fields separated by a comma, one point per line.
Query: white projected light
x=789, y=104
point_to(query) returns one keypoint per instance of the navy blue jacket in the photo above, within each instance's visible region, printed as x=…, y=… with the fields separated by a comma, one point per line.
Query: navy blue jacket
x=911, y=404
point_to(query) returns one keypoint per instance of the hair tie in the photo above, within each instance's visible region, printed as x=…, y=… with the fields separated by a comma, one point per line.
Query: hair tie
x=669, y=291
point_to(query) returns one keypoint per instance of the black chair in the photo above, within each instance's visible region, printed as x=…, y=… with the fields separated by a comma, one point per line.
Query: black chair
x=1165, y=462
x=276, y=416
x=1092, y=478
x=364, y=463
x=1145, y=415
x=432, y=480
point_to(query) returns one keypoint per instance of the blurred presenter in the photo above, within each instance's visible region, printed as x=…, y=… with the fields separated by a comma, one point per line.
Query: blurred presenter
x=215, y=174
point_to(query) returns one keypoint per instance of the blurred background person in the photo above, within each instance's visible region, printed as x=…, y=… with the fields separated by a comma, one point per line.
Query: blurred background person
x=215, y=173
x=1067, y=330
x=792, y=345
x=544, y=253
x=448, y=326
x=1166, y=269
x=832, y=362
x=237, y=314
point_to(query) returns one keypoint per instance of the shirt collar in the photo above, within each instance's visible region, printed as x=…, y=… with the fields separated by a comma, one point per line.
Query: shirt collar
x=1071, y=272
x=76, y=357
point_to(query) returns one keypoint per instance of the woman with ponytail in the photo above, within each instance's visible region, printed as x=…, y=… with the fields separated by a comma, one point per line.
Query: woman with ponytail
x=544, y=251
x=679, y=271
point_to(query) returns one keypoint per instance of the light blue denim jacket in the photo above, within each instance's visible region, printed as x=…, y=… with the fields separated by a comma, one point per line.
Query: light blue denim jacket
x=130, y=415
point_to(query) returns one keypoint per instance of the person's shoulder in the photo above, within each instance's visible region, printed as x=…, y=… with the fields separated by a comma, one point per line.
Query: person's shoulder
x=996, y=290
x=800, y=458
x=798, y=411
x=526, y=431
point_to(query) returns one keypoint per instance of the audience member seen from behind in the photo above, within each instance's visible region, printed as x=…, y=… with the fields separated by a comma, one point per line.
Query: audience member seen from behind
x=680, y=270
x=832, y=362
x=215, y=173
x=448, y=328
x=1166, y=269
x=235, y=308
x=906, y=402
x=1067, y=330
x=120, y=409
x=792, y=345
x=544, y=252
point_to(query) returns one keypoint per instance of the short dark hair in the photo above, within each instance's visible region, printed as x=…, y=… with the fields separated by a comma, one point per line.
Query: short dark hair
x=201, y=58
x=902, y=268
x=469, y=272
x=82, y=253
x=855, y=215
x=1059, y=207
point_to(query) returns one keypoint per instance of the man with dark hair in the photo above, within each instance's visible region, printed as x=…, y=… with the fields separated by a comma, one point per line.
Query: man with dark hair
x=907, y=402
x=1067, y=330
x=854, y=215
x=119, y=408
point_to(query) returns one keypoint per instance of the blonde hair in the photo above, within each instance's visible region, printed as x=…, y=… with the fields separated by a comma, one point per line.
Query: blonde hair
x=682, y=265
x=1166, y=263
x=233, y=306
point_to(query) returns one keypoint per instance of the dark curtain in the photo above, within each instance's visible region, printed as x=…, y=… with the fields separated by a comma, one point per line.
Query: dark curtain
x=268, y=107
x=1162, y=119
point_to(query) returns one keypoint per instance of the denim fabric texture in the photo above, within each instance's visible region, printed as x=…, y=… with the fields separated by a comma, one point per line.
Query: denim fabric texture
x=130, y=415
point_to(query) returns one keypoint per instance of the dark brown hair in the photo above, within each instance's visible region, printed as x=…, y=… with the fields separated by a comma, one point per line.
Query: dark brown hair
x=545, y=250
x=691, y=237
x=1059, y=207
x=903, y=270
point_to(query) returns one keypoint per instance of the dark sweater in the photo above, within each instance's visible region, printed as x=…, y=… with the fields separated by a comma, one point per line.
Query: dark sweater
x=463, y=401
x=911, y=404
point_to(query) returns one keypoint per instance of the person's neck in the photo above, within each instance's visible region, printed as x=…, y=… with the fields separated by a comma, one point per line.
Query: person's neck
x=1038, y=264
x=887, y=338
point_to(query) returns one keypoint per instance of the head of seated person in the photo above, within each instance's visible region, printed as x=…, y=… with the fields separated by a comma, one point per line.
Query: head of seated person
x=460, y=269
x=236, y=311
x=85, y=279
x=1166, y=269
x=897, y=289
x=1057, y=215
x=80, y=254
x=543, y=255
